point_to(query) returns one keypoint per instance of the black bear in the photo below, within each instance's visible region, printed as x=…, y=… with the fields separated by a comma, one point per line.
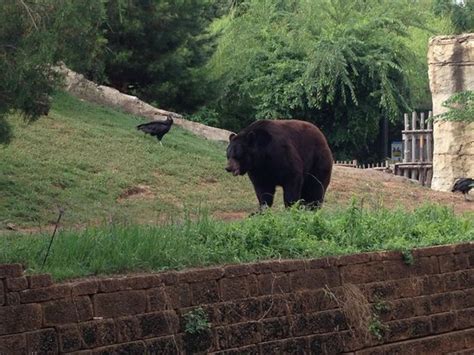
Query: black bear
x=292, y=154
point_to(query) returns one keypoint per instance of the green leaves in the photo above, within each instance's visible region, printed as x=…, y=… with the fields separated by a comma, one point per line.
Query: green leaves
x=340, y=64
x=461, y=107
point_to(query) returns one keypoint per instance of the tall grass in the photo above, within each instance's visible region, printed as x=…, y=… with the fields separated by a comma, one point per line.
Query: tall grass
x=292, y=233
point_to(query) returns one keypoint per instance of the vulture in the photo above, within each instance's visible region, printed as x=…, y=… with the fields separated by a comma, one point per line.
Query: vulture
x=156, y=128
x=463, y=185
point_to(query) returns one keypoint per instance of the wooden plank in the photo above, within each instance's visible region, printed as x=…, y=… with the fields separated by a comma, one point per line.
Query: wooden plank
x=422, y=137
x=414, y=165
x=419, y=131
x=429, y=137
x=406, y=148
x=413, y=137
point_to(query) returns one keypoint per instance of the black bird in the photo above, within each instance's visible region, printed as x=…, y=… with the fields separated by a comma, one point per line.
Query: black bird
x=463, y=185
x=156, y=128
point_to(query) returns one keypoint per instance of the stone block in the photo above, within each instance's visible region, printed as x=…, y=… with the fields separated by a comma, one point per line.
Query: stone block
x=179, y=295
x=45, y=293
x=200, y=275
x=308, y=279
x=122, y=303
x=43, y=341
x=243, y=334
x=16, y=283
x=38, y=281
x=69, y=338
x=88, y=287
x=98, y=333
x=158, y=324
x=128, y=329
x=275, y=328
x=233, y=288
x=165, y=345
x=21, y=318
x=10, y=344
x=10, y=270
x=205, y=292
x=273, y=283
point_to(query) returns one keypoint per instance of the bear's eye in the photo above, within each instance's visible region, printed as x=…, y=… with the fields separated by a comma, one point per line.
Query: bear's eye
x=238, y=152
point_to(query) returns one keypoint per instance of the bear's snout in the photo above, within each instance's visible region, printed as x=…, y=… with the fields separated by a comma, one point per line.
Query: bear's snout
x=233, y=167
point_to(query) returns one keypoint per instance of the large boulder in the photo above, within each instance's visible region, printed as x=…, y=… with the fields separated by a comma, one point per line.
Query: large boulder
x=451, y=70
x=77, y=85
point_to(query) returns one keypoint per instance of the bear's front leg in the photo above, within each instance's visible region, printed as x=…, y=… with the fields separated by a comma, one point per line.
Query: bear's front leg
x=265, y=194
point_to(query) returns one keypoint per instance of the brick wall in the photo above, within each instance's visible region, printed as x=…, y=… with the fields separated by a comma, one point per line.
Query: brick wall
x=372, y=303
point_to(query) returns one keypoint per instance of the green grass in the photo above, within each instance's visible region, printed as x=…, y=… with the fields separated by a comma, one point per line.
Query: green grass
x=294, y=233
x=83, y=157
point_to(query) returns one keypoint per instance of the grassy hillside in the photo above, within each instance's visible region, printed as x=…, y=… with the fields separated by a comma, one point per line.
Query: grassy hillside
x=144, y=207
x=92, y=161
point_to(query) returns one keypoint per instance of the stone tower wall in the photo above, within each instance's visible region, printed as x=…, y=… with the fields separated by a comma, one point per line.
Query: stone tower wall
x=451, y=70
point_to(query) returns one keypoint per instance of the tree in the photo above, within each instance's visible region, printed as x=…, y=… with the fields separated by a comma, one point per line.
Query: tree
x=25, y=52
x=461, y=13
x=34, y=36
x=340, y=64
x=154, y=46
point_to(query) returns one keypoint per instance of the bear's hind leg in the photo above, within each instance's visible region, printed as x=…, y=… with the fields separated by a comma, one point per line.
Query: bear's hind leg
x=292, y=192
x=313, y=192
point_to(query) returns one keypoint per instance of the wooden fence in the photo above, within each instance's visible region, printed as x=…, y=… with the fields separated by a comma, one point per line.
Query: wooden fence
x=417, y=148
x=417, y=161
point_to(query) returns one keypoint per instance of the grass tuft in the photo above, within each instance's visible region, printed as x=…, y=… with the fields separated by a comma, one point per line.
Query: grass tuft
x=293, y=233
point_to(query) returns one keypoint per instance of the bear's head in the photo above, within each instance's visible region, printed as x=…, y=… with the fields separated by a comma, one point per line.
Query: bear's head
x=245, y=149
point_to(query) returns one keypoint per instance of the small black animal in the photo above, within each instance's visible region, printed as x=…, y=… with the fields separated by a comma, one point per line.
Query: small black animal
x=463, y=185
x=156, y=128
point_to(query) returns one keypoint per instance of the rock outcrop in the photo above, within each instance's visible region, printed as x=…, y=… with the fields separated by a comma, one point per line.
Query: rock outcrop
x=77, y=85
x=451, y=70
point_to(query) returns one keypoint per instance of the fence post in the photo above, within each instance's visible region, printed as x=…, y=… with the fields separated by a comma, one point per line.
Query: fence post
x=413, y=137
x=429, y=151
x=406, y=148
x=422, y=136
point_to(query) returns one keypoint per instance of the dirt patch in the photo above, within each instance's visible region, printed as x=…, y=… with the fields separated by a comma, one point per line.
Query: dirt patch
x=388, y=190
x=136, y=192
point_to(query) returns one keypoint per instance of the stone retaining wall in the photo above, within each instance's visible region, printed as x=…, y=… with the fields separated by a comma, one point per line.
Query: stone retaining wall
x=313, y=306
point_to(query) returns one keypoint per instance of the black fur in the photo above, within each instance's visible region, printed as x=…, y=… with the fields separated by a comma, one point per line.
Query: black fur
x=289, y=153
x=156, y=128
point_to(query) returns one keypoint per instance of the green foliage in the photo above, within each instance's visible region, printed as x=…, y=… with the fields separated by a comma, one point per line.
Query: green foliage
x=377, y=328
x=196, y=321
x=205, y=115
x=340, y=64
x=35, y=35
x=154, y=48
x=26, y=49
x=201, y=241
x=79, y=38
x=461, y=107
x=408, y=257
x=461, y=14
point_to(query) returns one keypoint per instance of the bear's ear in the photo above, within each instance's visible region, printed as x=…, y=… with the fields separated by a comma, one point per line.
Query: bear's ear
x=259, y=138
x=232, y=136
